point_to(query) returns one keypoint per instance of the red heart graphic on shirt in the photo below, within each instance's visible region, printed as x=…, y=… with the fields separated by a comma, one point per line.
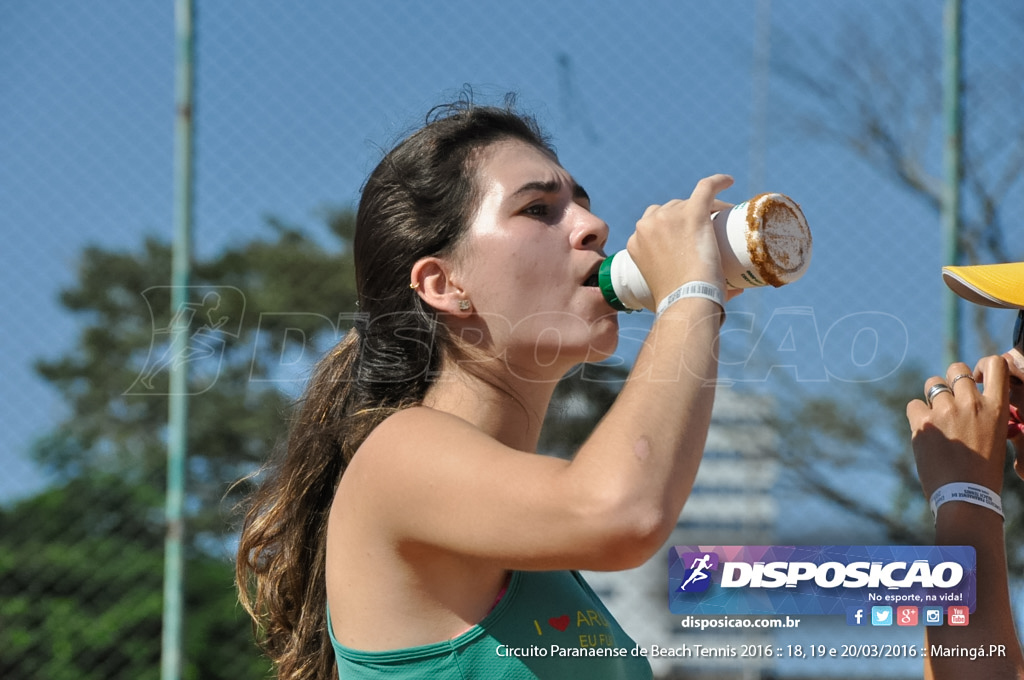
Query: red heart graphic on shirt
x=560, y=623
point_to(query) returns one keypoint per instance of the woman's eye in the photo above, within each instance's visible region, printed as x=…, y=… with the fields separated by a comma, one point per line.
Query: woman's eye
x=537, y=210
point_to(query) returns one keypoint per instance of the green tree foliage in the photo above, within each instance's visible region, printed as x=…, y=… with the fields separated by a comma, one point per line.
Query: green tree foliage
x=80, y=590
x=283, y=299
x=82, y=562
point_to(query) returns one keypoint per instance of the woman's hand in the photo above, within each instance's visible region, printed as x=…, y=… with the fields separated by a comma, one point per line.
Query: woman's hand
x=675, y=242
x=961, y=437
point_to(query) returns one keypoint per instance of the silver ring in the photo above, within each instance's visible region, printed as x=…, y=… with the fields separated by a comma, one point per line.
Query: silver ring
x=952, y=383
x=936, y=390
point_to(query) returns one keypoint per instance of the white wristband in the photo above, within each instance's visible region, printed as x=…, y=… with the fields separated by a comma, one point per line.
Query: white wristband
x=969, y=493
x=701, y=289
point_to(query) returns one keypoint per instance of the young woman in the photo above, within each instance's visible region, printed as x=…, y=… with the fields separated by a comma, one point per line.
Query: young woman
x=410, y=529
x=960, y=431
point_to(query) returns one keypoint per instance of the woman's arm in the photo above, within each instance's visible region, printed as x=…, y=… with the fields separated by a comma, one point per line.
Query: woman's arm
x=961, y=437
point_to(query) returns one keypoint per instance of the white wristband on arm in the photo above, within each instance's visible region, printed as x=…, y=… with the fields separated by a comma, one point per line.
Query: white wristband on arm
x=690, y=289
x=968, y=493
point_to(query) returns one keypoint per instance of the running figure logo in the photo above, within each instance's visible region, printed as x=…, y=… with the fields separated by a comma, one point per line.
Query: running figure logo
x=209, y=326
x=696, y=578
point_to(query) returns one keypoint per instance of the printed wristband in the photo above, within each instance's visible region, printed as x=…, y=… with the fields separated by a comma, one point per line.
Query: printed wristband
x=968, y=493
x=691, y=289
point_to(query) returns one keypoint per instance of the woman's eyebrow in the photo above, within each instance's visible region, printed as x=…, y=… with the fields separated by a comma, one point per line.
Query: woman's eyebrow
x=551, y=187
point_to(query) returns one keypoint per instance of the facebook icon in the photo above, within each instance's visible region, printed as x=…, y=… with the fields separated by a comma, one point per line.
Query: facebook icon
x=855, y=616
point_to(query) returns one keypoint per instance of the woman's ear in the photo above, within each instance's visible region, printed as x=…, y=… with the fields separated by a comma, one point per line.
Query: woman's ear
x=432, y=280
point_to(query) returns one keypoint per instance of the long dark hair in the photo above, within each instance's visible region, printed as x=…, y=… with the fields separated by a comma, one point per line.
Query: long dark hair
x=416, y=203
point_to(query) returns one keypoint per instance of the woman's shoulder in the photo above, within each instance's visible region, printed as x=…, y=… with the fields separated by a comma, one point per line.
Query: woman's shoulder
x=412, y=432
x=412, y=450
x=418, y=422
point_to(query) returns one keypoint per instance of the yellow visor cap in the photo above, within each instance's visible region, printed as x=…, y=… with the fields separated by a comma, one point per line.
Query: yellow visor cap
x=992, y=285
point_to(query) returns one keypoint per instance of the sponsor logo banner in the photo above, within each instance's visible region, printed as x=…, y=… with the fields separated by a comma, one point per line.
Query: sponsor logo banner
x=829, y=580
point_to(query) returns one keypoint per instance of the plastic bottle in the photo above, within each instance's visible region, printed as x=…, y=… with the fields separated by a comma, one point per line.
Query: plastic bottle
x=763, y=241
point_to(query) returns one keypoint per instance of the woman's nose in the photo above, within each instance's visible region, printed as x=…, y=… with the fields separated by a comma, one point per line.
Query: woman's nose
x=590, y=233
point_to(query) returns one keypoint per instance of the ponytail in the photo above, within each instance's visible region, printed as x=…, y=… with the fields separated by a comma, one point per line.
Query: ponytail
x=279, y=570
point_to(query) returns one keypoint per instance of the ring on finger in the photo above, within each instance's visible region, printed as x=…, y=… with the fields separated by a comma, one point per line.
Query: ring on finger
x=952, y=383
x=936, y=390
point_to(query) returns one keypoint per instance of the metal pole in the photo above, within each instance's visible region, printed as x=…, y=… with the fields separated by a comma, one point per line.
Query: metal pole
x=177, y=426
x=760, y=89
x=760, y=77
x=953, y=168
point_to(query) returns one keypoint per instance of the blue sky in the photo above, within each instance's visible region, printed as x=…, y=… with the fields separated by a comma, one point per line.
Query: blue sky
x=292, y=107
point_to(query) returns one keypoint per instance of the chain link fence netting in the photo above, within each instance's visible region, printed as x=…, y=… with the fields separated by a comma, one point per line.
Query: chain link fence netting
x=837, y=104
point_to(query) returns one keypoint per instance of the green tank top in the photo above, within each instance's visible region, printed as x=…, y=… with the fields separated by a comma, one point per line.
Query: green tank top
x=549, y=625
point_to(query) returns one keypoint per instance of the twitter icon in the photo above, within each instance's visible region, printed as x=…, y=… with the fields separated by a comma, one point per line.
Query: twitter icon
x=881, y=616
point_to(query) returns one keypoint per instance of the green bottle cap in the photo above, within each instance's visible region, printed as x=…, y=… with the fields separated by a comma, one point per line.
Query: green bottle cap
x=604, y=281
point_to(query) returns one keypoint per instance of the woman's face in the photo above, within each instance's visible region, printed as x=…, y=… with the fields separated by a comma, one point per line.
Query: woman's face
x=528, y=263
